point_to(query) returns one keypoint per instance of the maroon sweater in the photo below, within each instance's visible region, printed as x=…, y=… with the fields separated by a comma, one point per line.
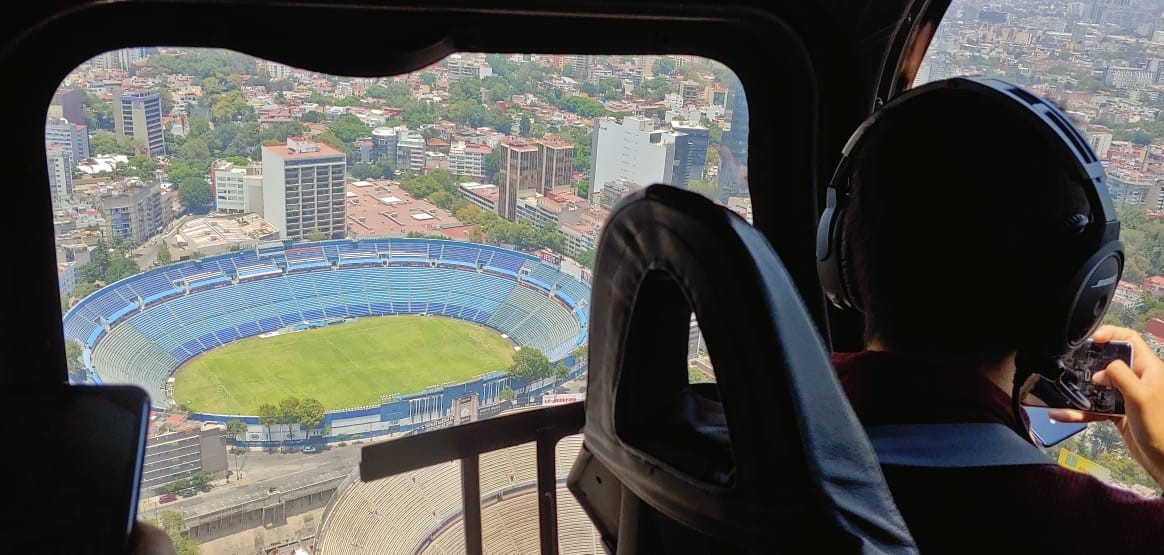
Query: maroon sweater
x=1008, y=509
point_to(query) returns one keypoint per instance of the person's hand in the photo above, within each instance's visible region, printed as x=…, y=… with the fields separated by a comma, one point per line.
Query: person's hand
x=148, y=539
x=1142, y=386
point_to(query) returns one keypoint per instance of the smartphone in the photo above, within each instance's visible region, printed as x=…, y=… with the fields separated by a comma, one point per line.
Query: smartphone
x=1075, y=389
x=73, y=466
x=1048, y=432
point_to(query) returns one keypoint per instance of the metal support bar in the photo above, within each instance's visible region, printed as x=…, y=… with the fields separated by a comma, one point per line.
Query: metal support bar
x=547, y=495
x=471, y=503
x=389, y=458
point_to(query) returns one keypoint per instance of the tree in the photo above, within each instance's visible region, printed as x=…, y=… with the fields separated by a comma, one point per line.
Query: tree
x=75, y=365
x=653, y=89
x=235, y=428
x=238, y=160
x=365, y=171
x=120, y=268
x=491, y=165
x=104, y=143
x=506, y=394
x=469, y=214
x=561, y=371
x=172, y=522
x=194, y=193
x=582, y=188
x=164, y=253
x=142, y=167
x=311, y=117
x=523, y=127
x=348, y=128
x=705, y=188
x=268, y=415
x=665, y=65
x=84, y=289
x=310, y=413
x=315, y=235
x=580, y=353
x=586, y=258
x=428, y=78
x=200, y=479
x=530, y=364
x=179, y=171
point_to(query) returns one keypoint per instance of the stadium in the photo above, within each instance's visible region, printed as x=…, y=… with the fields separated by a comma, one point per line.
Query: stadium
x=142, y=329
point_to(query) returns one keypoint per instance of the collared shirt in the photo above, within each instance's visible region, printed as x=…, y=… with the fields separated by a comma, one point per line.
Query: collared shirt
x=1008, y=509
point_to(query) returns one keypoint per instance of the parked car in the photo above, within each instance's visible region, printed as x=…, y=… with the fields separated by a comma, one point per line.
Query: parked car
x=167, y=498
x=188, y=493
x=310, y=448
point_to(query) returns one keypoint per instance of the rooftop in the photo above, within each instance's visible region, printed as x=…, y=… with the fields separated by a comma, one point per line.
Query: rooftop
x=299, y=149
x=384, y=209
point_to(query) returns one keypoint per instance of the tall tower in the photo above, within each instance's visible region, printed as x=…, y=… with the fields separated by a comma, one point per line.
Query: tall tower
x=137, y=116
x=519, y=176
x=303, y=188
x=556, y=165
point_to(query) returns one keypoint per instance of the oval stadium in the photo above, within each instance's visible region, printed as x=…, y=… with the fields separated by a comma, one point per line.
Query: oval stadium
x=142, y=329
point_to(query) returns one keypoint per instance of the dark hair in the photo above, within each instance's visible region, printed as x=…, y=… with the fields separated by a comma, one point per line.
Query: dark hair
x=958, y=231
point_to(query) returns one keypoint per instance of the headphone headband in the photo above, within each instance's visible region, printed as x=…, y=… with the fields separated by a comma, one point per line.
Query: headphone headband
x=1084, y=303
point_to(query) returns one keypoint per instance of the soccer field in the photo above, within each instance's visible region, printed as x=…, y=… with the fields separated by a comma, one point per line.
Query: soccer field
x=345, y=365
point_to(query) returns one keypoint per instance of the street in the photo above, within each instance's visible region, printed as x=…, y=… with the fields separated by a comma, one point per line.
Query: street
x=262, y=471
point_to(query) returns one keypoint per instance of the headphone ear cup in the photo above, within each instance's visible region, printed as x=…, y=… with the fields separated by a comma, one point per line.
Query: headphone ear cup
x=829, y=267
x=1090, y=294
x=847, y=271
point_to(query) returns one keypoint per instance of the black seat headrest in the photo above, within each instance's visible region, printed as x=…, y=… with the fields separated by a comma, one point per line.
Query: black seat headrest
x=772, y=456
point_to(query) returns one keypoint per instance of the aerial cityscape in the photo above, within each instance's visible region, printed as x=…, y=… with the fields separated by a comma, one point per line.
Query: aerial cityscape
x=207, y=205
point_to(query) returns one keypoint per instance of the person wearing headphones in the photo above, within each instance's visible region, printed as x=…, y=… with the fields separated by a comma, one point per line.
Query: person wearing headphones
x=970, y=224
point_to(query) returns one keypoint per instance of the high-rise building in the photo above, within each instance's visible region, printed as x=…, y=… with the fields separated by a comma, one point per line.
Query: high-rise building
x=133, y=209
x=410, y=149
x=468, y=159
x=71, y=103
x=232, y=183
x=635, y=151
x=698, y=139
x=74, y=137
x=126, y=58
x=519, y=176
x=60, y=173
x=137, y=116
x=1100, y=142
x=556, y=165
x=733, y=156
x=384, y=144
x=468, y=65
x=303, y=188
x=579, y=66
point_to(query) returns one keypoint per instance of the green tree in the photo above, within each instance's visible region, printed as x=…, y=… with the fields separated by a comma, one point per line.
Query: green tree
x=289, y=410
x=235, y=428
x=268, y=416
x=179, y=171
x=98, y=114
x=120, y=268
x=315, y=235
x=580, y=353
x=561, y=371
x=653, y=89
x=238, y=160
x=84, y=289
x=311, y=117
x=582, y=188
x=586, y=258
x=310, y=413
x=348, y=128
x=491, y=165
x=506, y=394
x=194, y=193
x=200, y=479
x=104, y=143
x=665, y=65
x=172, y=523
x=366, y=171
x=73, y=362
x=164, y=253
x=530, y=364
x=705, y=188
x=524, y=127
x=428, y=78
x=142, y=167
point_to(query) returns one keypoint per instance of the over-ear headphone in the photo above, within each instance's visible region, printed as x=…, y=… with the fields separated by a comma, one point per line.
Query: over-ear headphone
x=1081, y=304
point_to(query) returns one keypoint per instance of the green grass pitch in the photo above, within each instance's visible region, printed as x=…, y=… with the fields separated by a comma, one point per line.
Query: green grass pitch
x=345, y=365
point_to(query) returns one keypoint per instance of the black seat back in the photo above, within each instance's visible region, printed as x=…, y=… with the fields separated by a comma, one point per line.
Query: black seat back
x=769, y=458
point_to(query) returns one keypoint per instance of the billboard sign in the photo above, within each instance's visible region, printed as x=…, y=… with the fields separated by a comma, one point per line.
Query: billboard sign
x=562, y=398
x=550, y=257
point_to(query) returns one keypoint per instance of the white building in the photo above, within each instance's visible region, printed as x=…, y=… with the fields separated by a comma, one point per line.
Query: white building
x=67, y=276
x=72, y=136
x=468, y=65
x=633, y=151
x=60, y=172
x=468, y=159
x=303, y=188
x=1100, y=142
x=232, y=184
x=410, y=149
